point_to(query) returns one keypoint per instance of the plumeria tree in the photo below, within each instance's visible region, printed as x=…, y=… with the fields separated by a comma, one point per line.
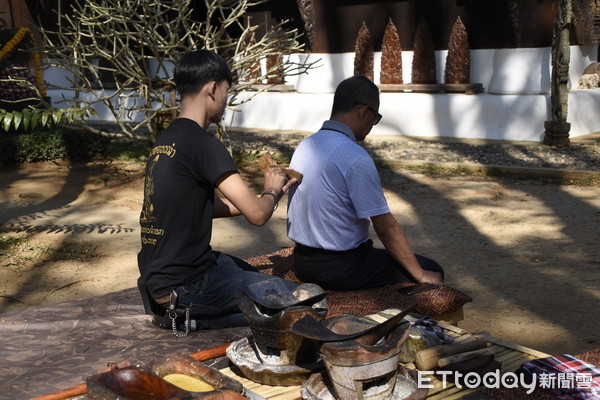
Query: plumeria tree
x=119, y=54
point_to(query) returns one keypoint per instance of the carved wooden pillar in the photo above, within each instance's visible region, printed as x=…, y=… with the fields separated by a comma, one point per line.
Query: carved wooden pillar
x=254, y=70
x=424, y=65
x=307, y=13
x=557, y=129
x=585, y=21
x=363, y=53
x=391, y=56
x=515, y=19
x=275, y=71
x=458, y=61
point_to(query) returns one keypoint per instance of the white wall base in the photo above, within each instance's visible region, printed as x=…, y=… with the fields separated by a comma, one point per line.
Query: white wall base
x=515, y=105
x=481, y=116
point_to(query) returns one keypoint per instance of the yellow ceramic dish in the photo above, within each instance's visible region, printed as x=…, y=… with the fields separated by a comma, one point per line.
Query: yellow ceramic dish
x=189, y=383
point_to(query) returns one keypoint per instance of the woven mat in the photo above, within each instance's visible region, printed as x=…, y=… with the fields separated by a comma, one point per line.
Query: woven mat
x=45, y=349
x=446, y=299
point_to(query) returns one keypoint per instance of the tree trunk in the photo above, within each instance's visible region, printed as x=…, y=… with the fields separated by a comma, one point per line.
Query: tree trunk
x=557, y=129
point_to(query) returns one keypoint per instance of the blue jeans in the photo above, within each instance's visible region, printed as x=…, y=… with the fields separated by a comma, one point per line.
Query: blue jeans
x=213, y=299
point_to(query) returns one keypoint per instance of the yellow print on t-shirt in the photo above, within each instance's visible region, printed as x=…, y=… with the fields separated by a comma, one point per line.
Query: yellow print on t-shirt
x=148, y=208
x=147, y=214
x=146, y=240
x=153, y=231
x=165, y=149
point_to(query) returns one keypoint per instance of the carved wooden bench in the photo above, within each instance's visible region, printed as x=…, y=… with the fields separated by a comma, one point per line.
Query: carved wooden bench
x=443, y=304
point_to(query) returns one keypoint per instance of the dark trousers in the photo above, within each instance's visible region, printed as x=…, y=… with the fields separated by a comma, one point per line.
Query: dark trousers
x=361, y=268
x=212, y=300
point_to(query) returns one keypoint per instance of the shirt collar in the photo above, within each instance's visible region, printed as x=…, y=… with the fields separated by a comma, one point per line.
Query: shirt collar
x=330, y=125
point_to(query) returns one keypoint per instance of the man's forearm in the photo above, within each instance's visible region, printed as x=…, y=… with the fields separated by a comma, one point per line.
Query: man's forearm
x=394, y=240
x=224, y=208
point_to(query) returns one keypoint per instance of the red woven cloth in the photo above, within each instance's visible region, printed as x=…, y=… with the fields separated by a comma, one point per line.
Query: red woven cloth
x=446, y=299
x=565, y=376
x=591, y=359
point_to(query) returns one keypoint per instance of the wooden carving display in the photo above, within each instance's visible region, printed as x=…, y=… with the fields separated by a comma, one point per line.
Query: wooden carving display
x=514, y=12
x=586, y=21
x=424, y=65
x=275, y=68
x=306, y=8
x=363, y=53
x=458, y=61
x=255, y=69
x=391, y=56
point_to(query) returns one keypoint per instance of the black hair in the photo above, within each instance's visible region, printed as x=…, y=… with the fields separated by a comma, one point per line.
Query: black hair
x=197, y=68
x=353, y=91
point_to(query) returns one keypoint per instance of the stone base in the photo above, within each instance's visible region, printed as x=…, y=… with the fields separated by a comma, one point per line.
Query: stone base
x=557, y=133
x=466, y=88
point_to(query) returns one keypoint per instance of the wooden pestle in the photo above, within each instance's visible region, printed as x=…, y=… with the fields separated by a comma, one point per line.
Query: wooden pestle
x=427, y=359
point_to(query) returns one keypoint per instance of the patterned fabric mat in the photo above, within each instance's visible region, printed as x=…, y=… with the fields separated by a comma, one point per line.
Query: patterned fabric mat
x=445, y=299
x=46, y=349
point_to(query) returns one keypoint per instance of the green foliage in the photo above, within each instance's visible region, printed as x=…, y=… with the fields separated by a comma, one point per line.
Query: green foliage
x=73, y=250
x=8, y=243
x=129, y=150
x=30, y=118
x=54, y=144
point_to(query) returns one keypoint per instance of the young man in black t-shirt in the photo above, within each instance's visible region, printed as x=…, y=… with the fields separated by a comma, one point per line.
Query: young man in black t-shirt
x=185, y=166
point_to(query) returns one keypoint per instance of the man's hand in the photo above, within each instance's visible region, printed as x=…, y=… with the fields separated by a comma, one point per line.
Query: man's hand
x=430, y=277
x=293, y=181
x=240, y=200
x=266, y=162
x=276, y=179
x=394, y=240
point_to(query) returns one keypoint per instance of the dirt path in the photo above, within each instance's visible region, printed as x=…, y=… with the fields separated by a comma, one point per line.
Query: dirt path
x=527, y=252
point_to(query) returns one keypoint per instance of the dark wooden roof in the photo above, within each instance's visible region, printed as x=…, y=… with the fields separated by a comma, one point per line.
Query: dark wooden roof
x=332, y=25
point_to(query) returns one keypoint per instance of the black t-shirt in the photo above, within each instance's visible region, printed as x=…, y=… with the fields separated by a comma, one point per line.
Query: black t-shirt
x=176, y=218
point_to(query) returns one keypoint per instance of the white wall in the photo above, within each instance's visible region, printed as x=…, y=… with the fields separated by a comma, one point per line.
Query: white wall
x=514, y=106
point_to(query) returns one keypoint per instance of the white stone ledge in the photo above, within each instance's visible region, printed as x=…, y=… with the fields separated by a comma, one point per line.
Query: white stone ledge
x=481, y=116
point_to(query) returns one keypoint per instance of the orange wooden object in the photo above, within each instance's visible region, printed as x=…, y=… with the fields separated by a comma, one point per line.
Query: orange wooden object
x=202, y=355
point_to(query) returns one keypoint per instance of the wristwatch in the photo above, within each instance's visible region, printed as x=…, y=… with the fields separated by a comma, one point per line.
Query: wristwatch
x=272, y=193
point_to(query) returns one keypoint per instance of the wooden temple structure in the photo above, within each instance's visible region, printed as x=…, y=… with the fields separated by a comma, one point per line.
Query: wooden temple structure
x=510, y=43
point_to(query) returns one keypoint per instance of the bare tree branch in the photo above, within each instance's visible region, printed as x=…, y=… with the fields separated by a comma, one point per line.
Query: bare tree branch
x=108, y=46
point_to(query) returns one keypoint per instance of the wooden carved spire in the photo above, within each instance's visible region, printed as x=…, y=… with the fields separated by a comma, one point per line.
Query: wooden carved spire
x=363, y=53
x=423, y=66
x=307, y=13
x=253, y=71
x=585, y=20
x=458, y=61
x=275, y=70
x=391, y=56
x=514, y=12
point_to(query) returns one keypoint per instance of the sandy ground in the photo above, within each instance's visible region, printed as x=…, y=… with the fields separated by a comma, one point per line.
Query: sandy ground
x=527, y=252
